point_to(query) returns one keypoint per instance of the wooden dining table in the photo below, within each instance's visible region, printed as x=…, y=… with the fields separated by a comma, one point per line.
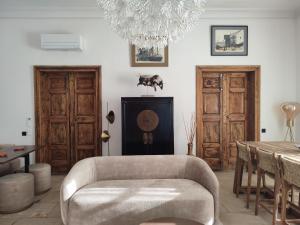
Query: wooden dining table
x=286, y=149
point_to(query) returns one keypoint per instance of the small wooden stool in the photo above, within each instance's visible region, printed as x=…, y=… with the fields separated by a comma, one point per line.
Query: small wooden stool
x=170, y=221
x=17, y=192
x=42, y=177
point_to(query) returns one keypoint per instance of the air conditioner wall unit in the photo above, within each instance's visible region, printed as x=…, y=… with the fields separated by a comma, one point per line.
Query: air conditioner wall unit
x=61, y=42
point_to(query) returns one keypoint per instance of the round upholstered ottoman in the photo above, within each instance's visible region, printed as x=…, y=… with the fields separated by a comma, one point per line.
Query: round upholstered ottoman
x=4, y=169
x=16, y=192
x=15, y=165
x=42, y=177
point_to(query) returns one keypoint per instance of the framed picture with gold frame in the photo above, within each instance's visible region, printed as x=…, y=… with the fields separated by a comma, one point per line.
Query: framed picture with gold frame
x=149, y=57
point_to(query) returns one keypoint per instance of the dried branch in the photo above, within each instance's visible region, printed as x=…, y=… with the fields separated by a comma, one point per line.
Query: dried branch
x=190, y=128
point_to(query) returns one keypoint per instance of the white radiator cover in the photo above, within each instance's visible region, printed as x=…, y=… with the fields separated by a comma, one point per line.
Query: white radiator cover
x=62, y=42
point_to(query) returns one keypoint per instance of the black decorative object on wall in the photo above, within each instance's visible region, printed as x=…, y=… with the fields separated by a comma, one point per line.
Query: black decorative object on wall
x=105, y=135
x=147, y=125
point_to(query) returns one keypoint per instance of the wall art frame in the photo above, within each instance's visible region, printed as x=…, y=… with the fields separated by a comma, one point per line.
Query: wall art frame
x=229, y=40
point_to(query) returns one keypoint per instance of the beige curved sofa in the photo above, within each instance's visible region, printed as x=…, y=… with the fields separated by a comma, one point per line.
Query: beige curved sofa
x=129, y=190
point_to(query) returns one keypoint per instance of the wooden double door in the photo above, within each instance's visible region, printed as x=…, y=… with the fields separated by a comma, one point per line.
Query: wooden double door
x=227, y=111
x=68, y=115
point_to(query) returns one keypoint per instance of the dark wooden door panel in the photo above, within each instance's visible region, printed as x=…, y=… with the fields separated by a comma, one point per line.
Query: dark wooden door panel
x=235, y=118
x=211, y=122
x=85, y=115
x=58, y=146
x=68, y=115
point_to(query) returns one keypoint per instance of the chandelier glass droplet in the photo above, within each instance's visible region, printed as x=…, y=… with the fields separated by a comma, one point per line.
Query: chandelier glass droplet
x=152, y=23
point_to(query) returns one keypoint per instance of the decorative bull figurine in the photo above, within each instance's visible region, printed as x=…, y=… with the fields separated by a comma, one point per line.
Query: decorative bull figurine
x=151, y=81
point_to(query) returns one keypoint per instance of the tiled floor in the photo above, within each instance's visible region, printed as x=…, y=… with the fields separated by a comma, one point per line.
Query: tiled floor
x=233, y=210
x=46, y=210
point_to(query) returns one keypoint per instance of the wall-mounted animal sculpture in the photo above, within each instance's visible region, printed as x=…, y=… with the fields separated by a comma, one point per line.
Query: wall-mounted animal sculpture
x=151, y=81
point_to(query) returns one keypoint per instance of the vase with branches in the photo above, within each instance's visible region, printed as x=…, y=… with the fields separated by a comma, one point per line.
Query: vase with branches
x=190, y=131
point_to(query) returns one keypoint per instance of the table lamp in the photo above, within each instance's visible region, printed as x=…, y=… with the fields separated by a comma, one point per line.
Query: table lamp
x=291, y=110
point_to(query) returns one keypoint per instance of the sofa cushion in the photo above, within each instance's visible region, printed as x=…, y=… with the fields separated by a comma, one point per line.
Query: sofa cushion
x=131, y=202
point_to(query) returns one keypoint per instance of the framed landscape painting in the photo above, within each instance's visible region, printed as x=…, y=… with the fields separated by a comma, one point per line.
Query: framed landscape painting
x=229, y=40
x=147, y=57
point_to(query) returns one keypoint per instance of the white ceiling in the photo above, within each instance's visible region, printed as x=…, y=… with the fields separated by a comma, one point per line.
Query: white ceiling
x=212, y=4
x=255, y=4
x=16, y=8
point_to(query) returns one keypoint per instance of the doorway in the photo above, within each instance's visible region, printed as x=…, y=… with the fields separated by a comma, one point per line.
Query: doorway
x=68, y=114
x=228, y=109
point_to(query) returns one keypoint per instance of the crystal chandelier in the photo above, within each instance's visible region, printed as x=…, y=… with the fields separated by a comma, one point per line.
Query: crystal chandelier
x=152, y=23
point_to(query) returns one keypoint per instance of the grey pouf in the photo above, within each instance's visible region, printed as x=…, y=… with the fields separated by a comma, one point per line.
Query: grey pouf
x=42, y=177
x=4, y=169
x=17, y=192
x=15, y=165
x=10, y=167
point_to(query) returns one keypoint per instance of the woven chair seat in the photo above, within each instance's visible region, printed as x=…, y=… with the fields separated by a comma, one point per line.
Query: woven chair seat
x=291, y=171
x=266, y=161
x=243, y=152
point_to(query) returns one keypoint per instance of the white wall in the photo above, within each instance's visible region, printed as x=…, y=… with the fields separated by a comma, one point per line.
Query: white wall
x=271, y=45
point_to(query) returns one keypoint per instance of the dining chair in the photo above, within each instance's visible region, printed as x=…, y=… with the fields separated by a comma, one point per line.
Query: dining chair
x=289, y=173
x=267, y=165
x=244, y=159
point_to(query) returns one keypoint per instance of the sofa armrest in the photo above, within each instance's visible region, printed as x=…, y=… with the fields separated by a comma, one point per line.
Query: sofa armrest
x=199, y=171
x=81, y=174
